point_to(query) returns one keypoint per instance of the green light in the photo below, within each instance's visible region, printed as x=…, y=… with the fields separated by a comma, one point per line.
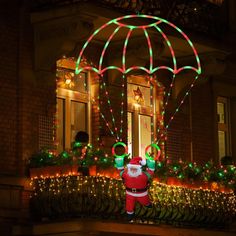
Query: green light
x=65, y=154
x=77, y=145
x=190, y=165
x=119, y=144
x=159, y=164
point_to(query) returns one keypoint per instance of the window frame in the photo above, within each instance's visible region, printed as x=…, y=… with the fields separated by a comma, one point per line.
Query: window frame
x=138, y=110
x=70, y=96
x=224, y=127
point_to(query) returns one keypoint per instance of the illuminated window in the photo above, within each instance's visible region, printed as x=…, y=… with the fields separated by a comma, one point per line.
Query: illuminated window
x=223, y=127
x=72, y=103
x=142, y=114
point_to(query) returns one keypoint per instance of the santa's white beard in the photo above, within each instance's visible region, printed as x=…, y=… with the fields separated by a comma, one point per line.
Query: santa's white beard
x=136, y=173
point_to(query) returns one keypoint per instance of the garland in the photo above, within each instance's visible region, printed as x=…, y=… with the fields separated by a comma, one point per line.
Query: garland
x=191, y=172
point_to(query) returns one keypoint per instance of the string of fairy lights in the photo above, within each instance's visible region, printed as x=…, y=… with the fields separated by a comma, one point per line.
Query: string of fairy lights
x=94, y=195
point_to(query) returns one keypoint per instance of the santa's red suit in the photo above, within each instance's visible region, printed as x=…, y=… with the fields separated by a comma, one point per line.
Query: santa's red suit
x=136, y=184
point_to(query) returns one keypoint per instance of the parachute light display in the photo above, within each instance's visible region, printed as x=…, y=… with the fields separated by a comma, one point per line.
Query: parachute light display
x=155, y=25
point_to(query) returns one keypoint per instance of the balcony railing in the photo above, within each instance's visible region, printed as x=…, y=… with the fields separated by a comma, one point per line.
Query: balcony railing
x=70, y=196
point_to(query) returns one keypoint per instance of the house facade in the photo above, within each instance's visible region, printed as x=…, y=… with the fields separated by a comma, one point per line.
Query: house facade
x=45, y=101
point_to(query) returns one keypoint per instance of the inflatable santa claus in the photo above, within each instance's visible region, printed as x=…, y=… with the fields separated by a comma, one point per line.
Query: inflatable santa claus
x=136, y=181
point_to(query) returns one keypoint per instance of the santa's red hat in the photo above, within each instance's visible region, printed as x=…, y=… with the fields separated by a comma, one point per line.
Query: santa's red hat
x=137, y=161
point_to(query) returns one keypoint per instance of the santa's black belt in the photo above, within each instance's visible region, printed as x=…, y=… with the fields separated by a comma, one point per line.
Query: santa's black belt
x=136, y=190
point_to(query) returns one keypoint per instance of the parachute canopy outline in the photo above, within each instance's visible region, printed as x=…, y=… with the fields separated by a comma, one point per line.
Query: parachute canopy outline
x=154, y=32
x=157, y=24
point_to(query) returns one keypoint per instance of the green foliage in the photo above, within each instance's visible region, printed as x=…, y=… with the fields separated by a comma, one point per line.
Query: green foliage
x=161, y=169
x=175, y=169
x=102, y=160
x=86, y=156
x=82, y=155
x=42, y=158
x=64, y=158
x=192, y=171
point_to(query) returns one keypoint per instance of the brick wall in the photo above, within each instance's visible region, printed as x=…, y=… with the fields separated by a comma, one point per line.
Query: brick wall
x=23, y=95
x=24, y=98
x=8, y=87
x=203, y=122
x=178, y=145
x=199, y=126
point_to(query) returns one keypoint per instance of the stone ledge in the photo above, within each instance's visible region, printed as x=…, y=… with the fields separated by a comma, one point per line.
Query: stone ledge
x=96, y=227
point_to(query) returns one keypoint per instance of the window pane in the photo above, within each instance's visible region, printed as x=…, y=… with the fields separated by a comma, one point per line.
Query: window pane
x=144, y=133
x=221, y=112
x=60, y=124
x=221, y=137
x=69, y=80
x=78, y=118
x=223, y=126
x=130, y=123
x=80, y=82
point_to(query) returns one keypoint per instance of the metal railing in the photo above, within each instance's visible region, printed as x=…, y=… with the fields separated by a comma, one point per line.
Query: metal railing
x=102, y=197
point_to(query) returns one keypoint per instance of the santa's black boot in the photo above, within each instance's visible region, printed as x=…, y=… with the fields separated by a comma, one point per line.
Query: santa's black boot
x=130, y=217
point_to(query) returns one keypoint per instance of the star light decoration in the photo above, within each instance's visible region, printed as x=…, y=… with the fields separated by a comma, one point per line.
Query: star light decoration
x=138, y=96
